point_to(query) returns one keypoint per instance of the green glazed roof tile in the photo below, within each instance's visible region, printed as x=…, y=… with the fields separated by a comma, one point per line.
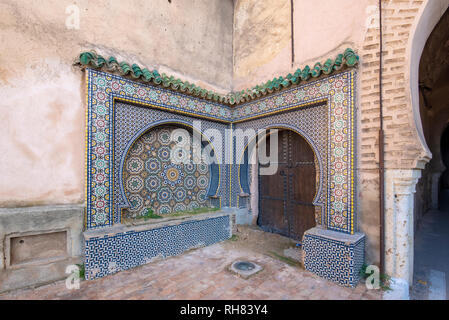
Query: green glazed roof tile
x=92, y=60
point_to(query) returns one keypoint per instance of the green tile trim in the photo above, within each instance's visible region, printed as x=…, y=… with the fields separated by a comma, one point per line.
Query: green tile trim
x=92, y=60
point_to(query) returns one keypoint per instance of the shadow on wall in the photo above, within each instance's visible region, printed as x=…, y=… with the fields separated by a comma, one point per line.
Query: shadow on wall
x=444, y=180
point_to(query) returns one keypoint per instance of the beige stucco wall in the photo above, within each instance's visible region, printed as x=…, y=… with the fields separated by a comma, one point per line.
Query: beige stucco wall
x=262, y=35
x=42, y=96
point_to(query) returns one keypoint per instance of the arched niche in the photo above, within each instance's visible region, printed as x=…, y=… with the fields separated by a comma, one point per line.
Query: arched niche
x=150, y=178
x=249, y=172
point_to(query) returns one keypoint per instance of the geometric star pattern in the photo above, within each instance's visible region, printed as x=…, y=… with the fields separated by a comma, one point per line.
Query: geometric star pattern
x=153, y=180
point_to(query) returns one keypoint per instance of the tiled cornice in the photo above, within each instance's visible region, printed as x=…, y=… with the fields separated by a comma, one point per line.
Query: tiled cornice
x=92, y=60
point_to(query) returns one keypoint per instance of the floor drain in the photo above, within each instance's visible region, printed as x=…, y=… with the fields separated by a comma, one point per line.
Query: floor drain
x=245, y=268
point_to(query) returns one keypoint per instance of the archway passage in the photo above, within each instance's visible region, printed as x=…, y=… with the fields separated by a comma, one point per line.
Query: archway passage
x=286, y=197
x=431, y=260
x=444, y=180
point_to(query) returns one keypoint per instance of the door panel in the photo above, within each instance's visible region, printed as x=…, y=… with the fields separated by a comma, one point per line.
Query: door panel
x=302, y=183
x=286, y=198
x=272, y=190
x=273, y=219
x=302, y=218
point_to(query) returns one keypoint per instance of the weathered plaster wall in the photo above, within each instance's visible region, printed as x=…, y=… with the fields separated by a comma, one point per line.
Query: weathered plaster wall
x=261, y=41
x=42, y=97
x=33, y=228
x=262, y=35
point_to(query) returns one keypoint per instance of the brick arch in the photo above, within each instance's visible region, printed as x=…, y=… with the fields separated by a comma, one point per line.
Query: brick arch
x=429, y=15
x=406, y=27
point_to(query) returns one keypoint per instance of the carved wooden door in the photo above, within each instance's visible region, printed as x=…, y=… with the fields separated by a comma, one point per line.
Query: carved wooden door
x=286, y=197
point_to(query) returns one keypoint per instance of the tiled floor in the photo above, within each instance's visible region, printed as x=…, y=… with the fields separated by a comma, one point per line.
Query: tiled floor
x=203, y=274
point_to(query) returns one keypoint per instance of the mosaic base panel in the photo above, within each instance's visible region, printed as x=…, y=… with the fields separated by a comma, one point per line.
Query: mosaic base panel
x=113, y=253
x=334, y=256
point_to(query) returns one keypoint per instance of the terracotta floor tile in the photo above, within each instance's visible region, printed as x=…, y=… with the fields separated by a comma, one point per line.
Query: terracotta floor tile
x=202, y=274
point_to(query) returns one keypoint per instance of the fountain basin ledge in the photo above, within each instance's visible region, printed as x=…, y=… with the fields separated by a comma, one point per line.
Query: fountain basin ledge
x=122, y=247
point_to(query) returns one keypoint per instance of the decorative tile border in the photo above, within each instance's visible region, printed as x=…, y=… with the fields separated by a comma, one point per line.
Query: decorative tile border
x=104, y=91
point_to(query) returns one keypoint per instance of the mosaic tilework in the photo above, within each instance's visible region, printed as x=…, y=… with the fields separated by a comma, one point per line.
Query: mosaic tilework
x=337, y=92
x=311, y=123
x=132, y=121
x=110, y=254
x=102, y=93
x=334, y=257
x=102, y=90
x=152, y=180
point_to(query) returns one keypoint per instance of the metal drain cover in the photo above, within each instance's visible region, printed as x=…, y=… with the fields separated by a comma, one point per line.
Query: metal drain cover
x=245, y=268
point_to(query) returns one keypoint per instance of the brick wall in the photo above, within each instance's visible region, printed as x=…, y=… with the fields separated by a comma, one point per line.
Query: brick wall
x=402, y=146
